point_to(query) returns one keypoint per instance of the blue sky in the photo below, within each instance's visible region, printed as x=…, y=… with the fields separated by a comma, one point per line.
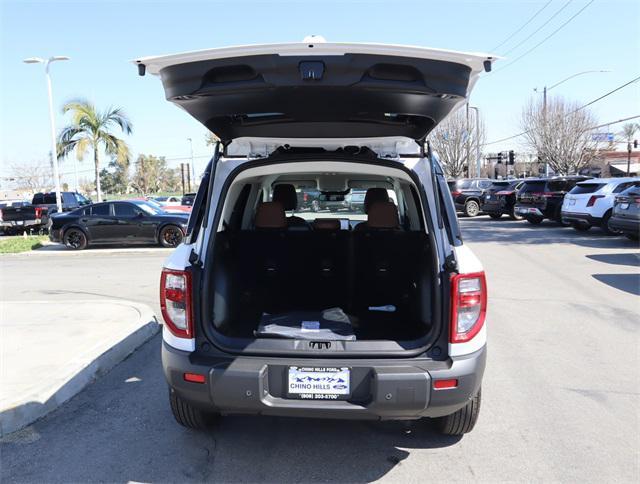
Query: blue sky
x=102, y=36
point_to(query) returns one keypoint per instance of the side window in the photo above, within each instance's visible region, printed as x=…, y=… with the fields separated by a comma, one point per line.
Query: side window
x=101, y=210
x=127, y=210
x=622, y=187
x=485, y=184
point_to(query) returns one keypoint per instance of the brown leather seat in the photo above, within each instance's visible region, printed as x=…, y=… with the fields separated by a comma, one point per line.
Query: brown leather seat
x=374, y=195
x=285, y=193
x=381, y=216
x=270, y=215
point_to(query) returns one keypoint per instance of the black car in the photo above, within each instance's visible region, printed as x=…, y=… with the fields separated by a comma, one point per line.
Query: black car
x=468, y=194
x=188, y=199
x=541, y=198
x=626, y=213
x=500, y=199
x=126, y=222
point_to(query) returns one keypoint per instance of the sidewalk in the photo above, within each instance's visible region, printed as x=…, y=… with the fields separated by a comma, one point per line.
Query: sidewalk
x=50, y=350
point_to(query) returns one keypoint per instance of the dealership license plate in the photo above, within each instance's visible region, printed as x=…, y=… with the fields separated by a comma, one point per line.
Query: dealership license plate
x=572, y=201
x=319, y=383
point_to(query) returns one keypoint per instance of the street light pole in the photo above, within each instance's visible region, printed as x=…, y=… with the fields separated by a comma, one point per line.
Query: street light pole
x=544, y=106
x=193, y=170
x=478, y=164
x=54, y=148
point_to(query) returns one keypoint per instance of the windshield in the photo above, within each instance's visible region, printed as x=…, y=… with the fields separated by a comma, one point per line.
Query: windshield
x=149, y=207
x=312, y=203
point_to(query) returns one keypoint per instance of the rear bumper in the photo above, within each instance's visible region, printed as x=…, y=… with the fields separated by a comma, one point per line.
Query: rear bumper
x=529, y=210
x=18, y=224
x=492, y=206
x=381, y=389
x=625, y=225
x=580, y=218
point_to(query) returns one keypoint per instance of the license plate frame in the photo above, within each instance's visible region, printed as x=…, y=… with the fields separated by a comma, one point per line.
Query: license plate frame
x=318, y=383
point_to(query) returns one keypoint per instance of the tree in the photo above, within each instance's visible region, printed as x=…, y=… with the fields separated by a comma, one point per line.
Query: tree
x=211, y=139
x=561, y=136
x=90, y=129
x=34, y=177
x=116, y=178
x=455, y=141
x=152, y=175
x=629, y=130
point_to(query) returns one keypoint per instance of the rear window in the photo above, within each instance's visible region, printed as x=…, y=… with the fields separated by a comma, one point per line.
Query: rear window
x=500, y=185
x=584, y=188
x=533, y=187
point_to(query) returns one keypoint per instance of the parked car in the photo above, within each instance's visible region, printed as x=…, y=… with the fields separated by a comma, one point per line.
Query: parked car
x=316, y=200
x=354, y=200
x=187, y=199
x=119, y=222
x=591, y=202
x=626, y=213
x=468, y=194
x=35, y=216
x=541, y=198
x=167, y=201
x=500, y=198
x=242, y=334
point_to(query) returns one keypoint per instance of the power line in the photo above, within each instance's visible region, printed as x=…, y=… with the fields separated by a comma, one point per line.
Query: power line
x=522, y=26
x=546, y=38
x=538, y=29
x=574, y=111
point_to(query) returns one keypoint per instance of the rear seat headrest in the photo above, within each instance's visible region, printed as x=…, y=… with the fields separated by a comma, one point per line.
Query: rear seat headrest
x=270, y=215
x=326, y=224
x=374, y=195
x=285, y=194
x=383, y=215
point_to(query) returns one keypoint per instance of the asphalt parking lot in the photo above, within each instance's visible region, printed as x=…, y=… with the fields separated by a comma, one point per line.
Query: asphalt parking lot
x=560, y=395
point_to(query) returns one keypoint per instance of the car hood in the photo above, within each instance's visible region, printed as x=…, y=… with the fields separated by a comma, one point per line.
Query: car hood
x=318, y=89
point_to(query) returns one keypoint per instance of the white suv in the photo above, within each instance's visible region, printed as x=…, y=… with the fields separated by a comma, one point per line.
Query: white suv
x=274, y=310
x=590, y=202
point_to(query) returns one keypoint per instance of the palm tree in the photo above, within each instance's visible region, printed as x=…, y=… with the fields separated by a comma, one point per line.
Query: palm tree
x=90, y=129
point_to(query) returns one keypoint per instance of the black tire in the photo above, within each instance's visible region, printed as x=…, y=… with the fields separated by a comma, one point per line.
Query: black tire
x=471, y=208
x=462, y=421
x=75, y=239
x=513, y=215
x=495, y=216
x=558, y=219
x=534, y=220
x=189, y=416
x=581, y=227
x=170, y=236
x=605, y=225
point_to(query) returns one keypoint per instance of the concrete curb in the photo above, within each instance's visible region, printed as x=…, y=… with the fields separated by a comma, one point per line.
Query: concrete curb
x=33, y=406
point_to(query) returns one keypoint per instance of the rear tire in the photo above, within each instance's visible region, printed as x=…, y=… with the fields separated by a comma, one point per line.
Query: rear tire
x=189, y=416
x=605, y=225
x=535, y=220
x=75, y=239
x=170, y=236
x=462, y=421
x=471, y=208
x=495, y=216
x=581, y=227
x=513, y=215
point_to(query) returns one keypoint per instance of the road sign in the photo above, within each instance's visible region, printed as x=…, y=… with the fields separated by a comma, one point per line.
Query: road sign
x=602, y=137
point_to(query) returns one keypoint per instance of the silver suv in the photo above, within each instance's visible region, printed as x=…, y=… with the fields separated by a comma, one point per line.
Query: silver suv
x=376, y=313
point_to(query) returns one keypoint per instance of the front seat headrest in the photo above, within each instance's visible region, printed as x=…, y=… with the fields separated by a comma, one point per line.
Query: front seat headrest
x=326, y=224
x=383, y=215
x=270, y=215
x=285, y=194
x=374, y=195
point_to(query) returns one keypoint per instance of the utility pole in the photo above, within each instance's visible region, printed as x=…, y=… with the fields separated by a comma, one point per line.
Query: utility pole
x=477, y=139
x=193, y=169
x=182, y=176
x=468, y=146
x=188, y=178
x=628, y=158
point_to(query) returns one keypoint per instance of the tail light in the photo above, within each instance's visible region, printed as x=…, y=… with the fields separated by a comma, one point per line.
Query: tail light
x=456, y=193
x=305, y=197
x=468, y=305
x=542, y=194
x=505, y=192
x=38, y=211
x=175, y=302
x=592, y=200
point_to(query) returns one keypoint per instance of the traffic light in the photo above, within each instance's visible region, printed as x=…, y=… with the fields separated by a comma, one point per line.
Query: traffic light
x=512, y=157
x=500, y=158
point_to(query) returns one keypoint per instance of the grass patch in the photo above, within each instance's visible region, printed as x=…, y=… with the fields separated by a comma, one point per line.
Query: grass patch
x=13, y=245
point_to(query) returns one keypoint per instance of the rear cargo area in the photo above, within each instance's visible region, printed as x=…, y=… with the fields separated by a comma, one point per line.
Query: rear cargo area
x=361, y=285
